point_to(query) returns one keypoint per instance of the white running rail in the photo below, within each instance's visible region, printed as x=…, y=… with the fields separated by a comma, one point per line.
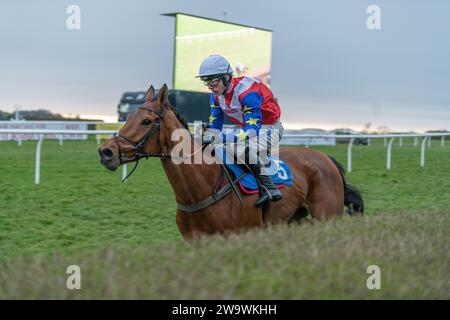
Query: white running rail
x=215, y=34
x=426, y=137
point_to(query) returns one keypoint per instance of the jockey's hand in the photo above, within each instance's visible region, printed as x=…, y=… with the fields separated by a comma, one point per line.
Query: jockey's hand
x=208, y=137
x=235, y=136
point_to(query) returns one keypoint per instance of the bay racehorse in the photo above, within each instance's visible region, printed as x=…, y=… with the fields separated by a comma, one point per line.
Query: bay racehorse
x=205, y=201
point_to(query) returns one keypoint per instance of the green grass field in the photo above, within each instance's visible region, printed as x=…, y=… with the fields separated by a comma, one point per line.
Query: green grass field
x=124, y=236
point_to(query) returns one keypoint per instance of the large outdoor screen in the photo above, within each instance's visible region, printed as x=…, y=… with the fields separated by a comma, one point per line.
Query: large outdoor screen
x=247, y=49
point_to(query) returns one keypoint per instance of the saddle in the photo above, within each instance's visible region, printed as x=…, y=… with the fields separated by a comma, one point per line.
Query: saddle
x=280, y=175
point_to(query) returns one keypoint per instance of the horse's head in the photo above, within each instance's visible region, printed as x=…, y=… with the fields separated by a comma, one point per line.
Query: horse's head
x=142, y=134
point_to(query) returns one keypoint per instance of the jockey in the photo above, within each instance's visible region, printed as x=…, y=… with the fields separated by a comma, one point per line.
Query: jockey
x=251, y=105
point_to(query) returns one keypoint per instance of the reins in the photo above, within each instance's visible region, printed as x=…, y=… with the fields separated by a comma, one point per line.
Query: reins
x=139, y=153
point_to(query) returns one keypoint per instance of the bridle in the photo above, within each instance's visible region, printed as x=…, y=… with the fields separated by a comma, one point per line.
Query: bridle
x=138, y=147
x=139, y=153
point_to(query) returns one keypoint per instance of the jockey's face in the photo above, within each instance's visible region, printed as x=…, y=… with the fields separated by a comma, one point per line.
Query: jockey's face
x=216, y=86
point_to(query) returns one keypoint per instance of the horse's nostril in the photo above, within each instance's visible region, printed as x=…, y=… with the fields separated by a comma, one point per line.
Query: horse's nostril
x=107, y=153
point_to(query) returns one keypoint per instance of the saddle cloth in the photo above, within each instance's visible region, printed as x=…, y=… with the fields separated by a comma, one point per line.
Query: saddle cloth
x=279, y=173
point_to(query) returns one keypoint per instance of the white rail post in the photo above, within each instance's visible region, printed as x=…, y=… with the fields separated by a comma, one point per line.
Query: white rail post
x=389, y=154
x=349, y=155
x=37, y=164
x=422, y=152
x=385, y=142
x=60, y=139
x=400, y=142
x=429, y=141
x=442, y=141
x=97, y=137
x=124, y=172
x=19, y=141
x=416, y=141
x=369, y=142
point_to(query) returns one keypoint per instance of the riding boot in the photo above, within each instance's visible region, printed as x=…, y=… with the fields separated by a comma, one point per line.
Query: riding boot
x=268, y=190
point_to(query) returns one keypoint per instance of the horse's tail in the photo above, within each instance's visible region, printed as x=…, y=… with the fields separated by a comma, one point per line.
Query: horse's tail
x=352, y=197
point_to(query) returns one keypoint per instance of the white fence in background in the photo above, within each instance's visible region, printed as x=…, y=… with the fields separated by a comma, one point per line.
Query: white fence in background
x=42, y=125
x=426, y=137
x=46, y=125
x=388, y=142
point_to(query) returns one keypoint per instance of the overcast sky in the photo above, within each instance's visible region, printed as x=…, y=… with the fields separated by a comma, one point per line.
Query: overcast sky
x=328, y=69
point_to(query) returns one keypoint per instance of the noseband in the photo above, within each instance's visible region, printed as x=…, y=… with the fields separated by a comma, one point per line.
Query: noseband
x=138, y=147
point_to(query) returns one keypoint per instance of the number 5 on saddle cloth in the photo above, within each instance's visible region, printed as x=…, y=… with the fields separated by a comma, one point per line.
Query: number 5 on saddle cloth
x=278, y=171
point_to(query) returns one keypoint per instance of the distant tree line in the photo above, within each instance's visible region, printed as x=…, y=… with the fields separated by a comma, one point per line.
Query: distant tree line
x=4, y=115
x=39, y=114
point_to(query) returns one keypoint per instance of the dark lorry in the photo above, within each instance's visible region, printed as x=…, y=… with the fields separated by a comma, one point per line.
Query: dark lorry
x=194, y=106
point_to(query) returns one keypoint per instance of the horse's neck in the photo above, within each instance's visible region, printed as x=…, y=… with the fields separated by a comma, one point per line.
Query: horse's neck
x=191, y=182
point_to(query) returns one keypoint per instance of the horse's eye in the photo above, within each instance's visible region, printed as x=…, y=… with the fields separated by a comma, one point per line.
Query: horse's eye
x=146, y=122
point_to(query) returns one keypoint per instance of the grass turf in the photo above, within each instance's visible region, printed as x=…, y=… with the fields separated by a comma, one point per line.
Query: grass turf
x=323, y=261
x=80, y=207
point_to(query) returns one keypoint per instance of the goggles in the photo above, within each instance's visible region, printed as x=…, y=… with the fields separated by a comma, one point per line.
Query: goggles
x=212, y=82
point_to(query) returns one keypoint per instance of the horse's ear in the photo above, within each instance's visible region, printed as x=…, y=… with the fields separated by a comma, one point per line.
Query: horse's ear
x=163, y=96
x=150, y=93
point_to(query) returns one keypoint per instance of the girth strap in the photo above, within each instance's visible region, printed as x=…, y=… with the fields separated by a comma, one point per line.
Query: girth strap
x=215, y=197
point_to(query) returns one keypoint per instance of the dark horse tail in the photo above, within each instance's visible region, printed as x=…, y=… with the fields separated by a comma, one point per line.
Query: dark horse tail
x=352, y=197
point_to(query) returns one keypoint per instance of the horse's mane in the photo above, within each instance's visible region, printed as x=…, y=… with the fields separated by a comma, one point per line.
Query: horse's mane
x=179, y=116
